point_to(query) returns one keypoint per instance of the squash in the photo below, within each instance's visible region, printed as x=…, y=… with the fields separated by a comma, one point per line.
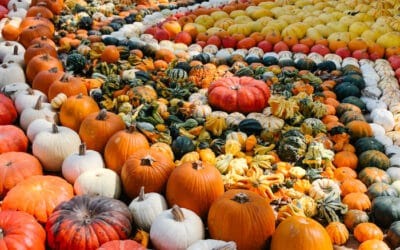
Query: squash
x=358, y=129
x=373, y=244
x=292, y=147
x=98, y=181
x=121, y=245
x=356, y=101
x=338, y=232
x=385, y=210
x=368, y=143
x=12, y=139
x=381, y=189
x=358, y=201
x=373, y=158
x=250, y=126
x=345, y=89
x=350, y=116
x=353, y=217
x=370, y=175
x=367, y=231
x=393, y=234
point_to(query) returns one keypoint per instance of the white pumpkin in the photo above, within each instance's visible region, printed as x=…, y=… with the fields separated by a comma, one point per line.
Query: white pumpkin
x=384, y=118
x=146, y=207
x=17, y=12
x=7, y=47
x=377, y=130
x=394, y=172
x=396, y=185
x=176, y=228
x=11, y=72
x=392, y=150
x=18, y=4
x=373, y=103
x=385, y=140
x=16, y=56
x=51, y=148
x=395, y=160
x=211, y=244
x=77, y=163
x=28, y=98
x=40, y=110
x=39, y=125
x=13, y=89
x=101, y=181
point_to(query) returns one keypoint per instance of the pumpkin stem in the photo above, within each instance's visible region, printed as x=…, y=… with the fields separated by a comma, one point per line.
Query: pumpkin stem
x=4, y=65
x=38, y=104
x=65, y=77
x=102, y=115
x=147, y=161
x=177, y=213
x=82, y=149
x=54, y=128
x=197, y=165
x=79, y=96
x=241, y=198
x=15, y=51
x=228, y=246
x=141, y=194
x=14, y=7
x=30, y=91
x=132, y=128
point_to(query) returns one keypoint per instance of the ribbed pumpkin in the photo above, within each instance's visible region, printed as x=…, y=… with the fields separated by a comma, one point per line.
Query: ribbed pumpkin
x=300, y=233
x=381, y=189
x=367, y=231
x=370, y=175
x=121, y=145
x=338, y=232
x=357, y=200
x=352, y=186
x=146, y=167
x=244, y=217
x=345, y=159
x=194, y=185
x=373, y=158
x=67, y=84
x=358, y=129
x=353, y=217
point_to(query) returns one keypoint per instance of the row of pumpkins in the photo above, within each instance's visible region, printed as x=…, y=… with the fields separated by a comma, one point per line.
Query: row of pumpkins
x=138, y=138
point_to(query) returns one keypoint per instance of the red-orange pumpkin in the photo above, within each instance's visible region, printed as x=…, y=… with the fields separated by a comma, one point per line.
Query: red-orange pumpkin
x=67, y=84
x=194, y=185
x=39, y=63
x=12, y=138
x=8, y=113
x=121, y=245
x=20, y=230
x=146, y=167
x=242, y=94
x=15, y=167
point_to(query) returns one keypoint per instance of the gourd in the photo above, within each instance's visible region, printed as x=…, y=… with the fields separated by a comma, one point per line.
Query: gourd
x=146, y=207
x=79, y=217
x=373, y=158
x=292, y=146
x=176, y=228
x=28, y=98
x=385, y=210
x=338, y=232
x=370, y=175
x=77, y=163
x=52, y=147
x=39, y=110
x=182, y=145
x=98, y=181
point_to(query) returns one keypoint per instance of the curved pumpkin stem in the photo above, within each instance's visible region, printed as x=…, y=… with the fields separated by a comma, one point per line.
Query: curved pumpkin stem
x=141, y=194
x=147, y=161
x=54, y=128
x=177, y=213
x=30, y=91
x=15, y=51
x=82, y=149
x=241, y=198
x=38, y=104
x=197, y=165
x=228, y=246
x=102, y=115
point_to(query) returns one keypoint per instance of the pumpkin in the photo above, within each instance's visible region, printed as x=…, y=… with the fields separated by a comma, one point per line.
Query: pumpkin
x=368, y=143
x=345, y=159
x=37, y=111
x=250, y=126
x=45, y=193
x=241, y=216
x=381, y=189
x=344, y=107
x=146, y=207
x=8, y=112
x=15, y=167
x=39, y=49
x=45, y=78
x=367, y=231
x=141, y=94
x=385, y=210
x=176, y=228
x=20, y=230
x=349, y=116
x=55, y=6
x=98, y=181
x=33, y=31
x=69, y=85
x=352, y=186
x=373, y=158
x=338, y=232
x=27, y=99
x=164, y=148
x=357, y=200
x=40, y=63
x=210, y=244
x=182, y=145
x=53, y=147
x=75, y=109
x=353, y=217
x=81, y=217
x=12, y=139
x=345, y=89
x=297, y=232
x=344, y=173
x=238, y=94
x=199, y=197
x=358, y=129
x=370, y=175
x=393, y=234
x=373, y=244
x=97, y=128
x=121, y=145
x=121, y=245
x=146, y=167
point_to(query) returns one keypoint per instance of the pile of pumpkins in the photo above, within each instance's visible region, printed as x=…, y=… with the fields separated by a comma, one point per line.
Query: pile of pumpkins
x=199, y=125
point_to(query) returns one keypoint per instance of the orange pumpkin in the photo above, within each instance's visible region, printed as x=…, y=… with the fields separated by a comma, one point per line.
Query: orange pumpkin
x=344, y=173
x=40, y=10
x=110, y=54
x=29, y=33
x=345, y=159
x=146, y=167
x=353, y=217
x=338, y=232
x=367, y=231
x=357, y=200
x=40, y=63
x=67, y=84
x=373, y=244
x=39, y=49
x=12, y=138
x=352, y=186
x=357, y=44
x=45, y=78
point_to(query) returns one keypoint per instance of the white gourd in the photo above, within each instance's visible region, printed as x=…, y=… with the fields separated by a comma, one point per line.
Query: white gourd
x=101, y=181
x=211, y=244
x=146, y=207
x=28, y=98
x=384, y=118
x=38, y=126
x=39, y=110
x=377, y=130
x=11, y=72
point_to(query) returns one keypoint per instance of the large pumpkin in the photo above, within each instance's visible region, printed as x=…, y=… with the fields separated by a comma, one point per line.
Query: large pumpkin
x=244, y=217
x=146, y=167
x=90, y=221
x=12, y=138
x=194, y=185
x=8, y=113
x=300, y=233
x=38, y=195
x=241, y=94
x=15, y=167
x=20, y=230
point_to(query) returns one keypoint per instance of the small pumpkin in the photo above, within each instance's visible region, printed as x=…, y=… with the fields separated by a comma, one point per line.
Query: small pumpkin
x=393, y=234
x=39, y=63
x=8, y=112
x=353, y=217
x=98, y=181
x=373, y=244
x=37, y=111
x=121, y=245
x=370, y=175
x=345, y=159
x=381, y=189
x=367, y=231
x=385, y=210
x=67, y=84
x=357, y=200
x=12, y=139
x=352, y=186
x=373, y=158
x=338, y=232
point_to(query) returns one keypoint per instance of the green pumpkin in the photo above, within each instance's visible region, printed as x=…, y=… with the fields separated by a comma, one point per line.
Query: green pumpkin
x=182, y=145
x=373, y=158
x=75, y=63
x=356, y=101
x=349, y=116
x=312, y=126
x=356, y=79
x=250, y=126
x=351, y=69
x=306, y=64
x=385, y=210
x=381, y=189
x=370, y=175
x=344, y=107
x=270, y=60
x=292, y=148
x=326, y=66
x=345, y=89
x=368, y=143
x=244, y=71
x=286, y=62
x=393, y=234
x=202, y=57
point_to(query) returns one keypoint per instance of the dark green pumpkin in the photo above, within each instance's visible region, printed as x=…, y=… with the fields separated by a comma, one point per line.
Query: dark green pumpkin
x=368, y=143
x=393, y=235
x=182, y=145
x=202, y=57
x=381, y=189
x=183, y=65
x=370, y=175
x=345, y=89
x=349, y=116
x=109, y=40
x=306, y=64
x=356, y=101
x=326, y=66
x=373, y=158
x=75, y=62
x=250, y=126
x=292, y=148
x=351, y=69
x=270, y=60
x=385, y=210
x=286, y=62
x=356, y=79
x=244, y=71
x=251, y=58
x=344, y=107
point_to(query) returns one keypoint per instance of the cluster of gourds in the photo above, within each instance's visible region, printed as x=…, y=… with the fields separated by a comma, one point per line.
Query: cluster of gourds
x=134, y=125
